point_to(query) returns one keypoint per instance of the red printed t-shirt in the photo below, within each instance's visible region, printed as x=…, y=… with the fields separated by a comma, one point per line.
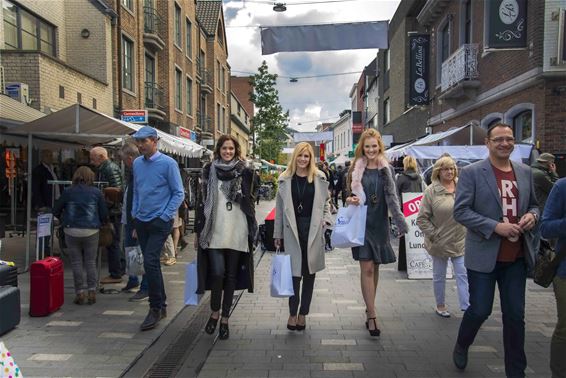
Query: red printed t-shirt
x=509, y=250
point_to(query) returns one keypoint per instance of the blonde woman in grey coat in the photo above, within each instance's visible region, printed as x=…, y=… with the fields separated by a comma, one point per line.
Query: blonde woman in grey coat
x=302, y=213
x=444, y=237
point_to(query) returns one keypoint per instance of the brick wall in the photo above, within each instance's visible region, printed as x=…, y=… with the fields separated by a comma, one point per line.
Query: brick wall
x=553, y=129
x=44, y=75
x=242, y=88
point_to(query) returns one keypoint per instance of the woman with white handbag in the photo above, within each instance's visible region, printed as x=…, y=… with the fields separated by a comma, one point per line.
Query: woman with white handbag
x=302, y=211
x=371, y=183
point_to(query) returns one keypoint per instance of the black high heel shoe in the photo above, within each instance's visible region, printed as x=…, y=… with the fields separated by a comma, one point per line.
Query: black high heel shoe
x=211, y=325
x=223, y=331
x=376, y=331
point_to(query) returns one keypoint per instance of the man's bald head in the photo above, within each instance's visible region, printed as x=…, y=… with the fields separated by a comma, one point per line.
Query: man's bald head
x=98, y=155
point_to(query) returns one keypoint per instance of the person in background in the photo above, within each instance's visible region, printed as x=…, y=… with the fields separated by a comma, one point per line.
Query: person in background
x=444, y=238
x=158, y=193
x=109, y=172
x=496, y=202
x=544, y=177
x=226, y=229
x=408, y=181
x=82, y=210
x=302, y=212
x=42, y=193
x=129, y=153
x=337, y=184
x=553, y=225
x=257, y=185
x=345, y=174
x=371, y=183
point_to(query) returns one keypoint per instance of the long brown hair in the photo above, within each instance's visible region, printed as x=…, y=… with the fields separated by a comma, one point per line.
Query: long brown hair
x=224, y=138
x=83, y=175
x=359, y=152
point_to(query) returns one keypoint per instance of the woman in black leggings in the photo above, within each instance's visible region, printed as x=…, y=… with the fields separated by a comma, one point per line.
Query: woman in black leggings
x=302, y=211
x=226, y=227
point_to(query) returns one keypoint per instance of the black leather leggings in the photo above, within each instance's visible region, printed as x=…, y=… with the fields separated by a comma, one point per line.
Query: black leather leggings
x=223, y=267
x=305, y=296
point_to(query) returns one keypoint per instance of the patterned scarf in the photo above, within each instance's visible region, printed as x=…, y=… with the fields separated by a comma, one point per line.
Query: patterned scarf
x=230, y=176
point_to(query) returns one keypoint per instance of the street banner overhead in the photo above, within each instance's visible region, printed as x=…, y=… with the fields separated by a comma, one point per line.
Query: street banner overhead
x=419, y=69
x=507, y=23
x=349, y=36
x=313, y=137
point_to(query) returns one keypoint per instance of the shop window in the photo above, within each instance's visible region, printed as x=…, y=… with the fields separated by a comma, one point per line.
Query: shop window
x=523, y=126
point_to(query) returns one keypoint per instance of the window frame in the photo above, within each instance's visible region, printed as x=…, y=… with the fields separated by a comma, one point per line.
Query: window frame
x=128, y=4
x=177, y=27
x=386, y=111
x=445, y=23
x=178, y=89
x=466, y=24
x=189, y=95
x=125, y=40
x=38, y=22
x=188, y=38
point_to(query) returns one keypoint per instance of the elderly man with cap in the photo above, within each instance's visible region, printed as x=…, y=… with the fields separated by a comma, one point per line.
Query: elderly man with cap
x=158, y=193
x=544, y=177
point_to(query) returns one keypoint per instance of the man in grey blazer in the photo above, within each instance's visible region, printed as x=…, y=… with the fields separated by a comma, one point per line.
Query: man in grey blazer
x=496, y=202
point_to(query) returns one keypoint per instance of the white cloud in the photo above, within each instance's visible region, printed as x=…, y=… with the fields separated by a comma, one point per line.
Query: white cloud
x=313, y=100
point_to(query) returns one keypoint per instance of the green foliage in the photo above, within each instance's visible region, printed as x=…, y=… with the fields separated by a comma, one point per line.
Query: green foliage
x=270, y=179
x=269, y=120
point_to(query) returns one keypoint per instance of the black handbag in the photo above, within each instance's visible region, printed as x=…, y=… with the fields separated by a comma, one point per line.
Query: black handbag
x=546, y=264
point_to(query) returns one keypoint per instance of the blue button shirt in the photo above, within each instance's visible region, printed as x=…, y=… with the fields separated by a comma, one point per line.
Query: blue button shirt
x=158, y=188
x=553, y=224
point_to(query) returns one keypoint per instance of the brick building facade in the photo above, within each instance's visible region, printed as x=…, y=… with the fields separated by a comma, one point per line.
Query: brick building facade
x=472, y=83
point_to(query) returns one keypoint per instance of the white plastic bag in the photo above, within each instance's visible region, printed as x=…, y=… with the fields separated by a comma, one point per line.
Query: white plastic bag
x=191, y=283
x=134, y=261
x=281, y=276
x=350, y=227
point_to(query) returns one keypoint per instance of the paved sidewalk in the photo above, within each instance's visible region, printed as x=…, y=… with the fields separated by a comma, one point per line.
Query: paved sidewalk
x=415, y=342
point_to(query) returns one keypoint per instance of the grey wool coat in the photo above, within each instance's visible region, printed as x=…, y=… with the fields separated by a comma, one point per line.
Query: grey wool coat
x=286, y=227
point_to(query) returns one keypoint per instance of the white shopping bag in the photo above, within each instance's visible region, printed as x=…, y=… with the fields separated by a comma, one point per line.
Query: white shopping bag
x=134, y=261
x=350, y=227
x=191, y=284
x=281, y=276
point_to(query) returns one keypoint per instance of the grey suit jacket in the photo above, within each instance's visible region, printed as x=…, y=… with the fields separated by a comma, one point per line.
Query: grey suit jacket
x=478, y=208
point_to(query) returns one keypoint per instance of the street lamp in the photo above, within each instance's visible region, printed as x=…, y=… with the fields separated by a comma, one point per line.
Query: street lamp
x=279, y=7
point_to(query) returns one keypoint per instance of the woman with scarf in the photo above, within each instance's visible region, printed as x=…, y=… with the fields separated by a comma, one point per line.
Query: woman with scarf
x=302, y=211
x=371, y=183
x=226, y=228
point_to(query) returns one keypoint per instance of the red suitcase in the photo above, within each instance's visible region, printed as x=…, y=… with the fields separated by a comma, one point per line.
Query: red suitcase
x=46, y=286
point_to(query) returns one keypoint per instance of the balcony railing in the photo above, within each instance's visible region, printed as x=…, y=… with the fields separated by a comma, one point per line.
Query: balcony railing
x=204, y=122
x=154, y=96
x=152, y=22
x=461, y=65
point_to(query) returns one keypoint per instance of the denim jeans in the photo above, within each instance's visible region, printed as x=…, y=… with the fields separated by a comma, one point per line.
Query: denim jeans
x=511, y=279
x=83, y=252
x=116, y=261
x=151, y=236
x=439, y=265
x=558, y=342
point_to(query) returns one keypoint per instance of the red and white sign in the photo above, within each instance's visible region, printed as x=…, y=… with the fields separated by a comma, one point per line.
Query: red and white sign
x=357, y=128
x=185, y=133
x=322, y=152
x=134, y=116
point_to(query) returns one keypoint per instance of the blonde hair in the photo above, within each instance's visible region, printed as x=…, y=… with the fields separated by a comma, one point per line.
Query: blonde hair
x=409, y=163
x=359, y=152
x=443, y=162
x=292, y=167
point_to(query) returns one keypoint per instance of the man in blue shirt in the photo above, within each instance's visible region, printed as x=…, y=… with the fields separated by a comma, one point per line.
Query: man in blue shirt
x=158, y=193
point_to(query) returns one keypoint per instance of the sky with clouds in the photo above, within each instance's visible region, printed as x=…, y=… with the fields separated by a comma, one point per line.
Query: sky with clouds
x=310, y=101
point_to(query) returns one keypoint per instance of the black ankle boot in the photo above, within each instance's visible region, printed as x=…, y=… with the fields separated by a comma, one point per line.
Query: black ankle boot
x=223, y=331
x=153, y=317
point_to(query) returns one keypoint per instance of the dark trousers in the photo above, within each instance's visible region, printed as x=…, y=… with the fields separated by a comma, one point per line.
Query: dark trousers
x=511, y=280
x=151, y=236
x=116, y=262
x=223, y=266
x=305, y=298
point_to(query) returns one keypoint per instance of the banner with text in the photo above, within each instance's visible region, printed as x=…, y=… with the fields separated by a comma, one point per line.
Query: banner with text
x=419, y=46
x=507, y=20
x=419, y=262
